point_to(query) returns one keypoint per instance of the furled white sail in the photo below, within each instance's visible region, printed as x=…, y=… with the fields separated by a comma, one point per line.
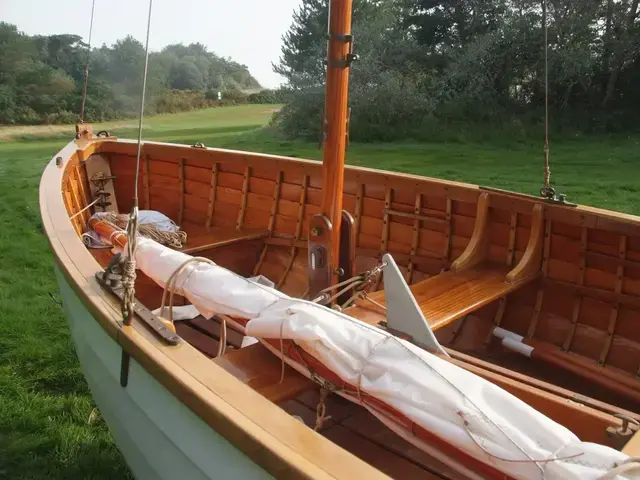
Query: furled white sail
x=459, y=407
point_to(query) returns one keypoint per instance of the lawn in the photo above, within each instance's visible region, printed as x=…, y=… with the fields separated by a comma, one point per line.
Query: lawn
x=48, y=427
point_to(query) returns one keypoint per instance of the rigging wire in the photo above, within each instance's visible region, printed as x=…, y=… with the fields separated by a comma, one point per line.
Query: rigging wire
x=547, y=190
x=129, y=265
x=86, y=65
x=144, y=90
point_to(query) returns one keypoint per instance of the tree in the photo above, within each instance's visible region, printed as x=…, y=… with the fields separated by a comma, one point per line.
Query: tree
x=185, y=76
x=471, y=61
x=41, y=77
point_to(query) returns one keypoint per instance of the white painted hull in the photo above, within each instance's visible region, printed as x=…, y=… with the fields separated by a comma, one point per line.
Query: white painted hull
x=159, y=437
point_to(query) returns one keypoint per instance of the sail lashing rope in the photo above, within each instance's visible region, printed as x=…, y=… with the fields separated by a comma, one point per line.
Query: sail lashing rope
x=129, y=264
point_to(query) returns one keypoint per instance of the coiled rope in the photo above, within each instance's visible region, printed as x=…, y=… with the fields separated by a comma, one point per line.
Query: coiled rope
x=149, y=230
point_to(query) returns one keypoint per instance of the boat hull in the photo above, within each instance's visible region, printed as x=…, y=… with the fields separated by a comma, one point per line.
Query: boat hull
x=159, y=437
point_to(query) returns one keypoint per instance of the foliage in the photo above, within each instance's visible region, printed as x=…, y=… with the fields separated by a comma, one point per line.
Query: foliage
x=268, y=96
x=41, y=78
x=430, y=65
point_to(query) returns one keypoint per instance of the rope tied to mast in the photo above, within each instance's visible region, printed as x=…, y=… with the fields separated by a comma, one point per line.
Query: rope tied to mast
x=129, y=264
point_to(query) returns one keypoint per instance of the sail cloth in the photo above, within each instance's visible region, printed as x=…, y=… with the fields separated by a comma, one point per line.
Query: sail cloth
x=459, y=408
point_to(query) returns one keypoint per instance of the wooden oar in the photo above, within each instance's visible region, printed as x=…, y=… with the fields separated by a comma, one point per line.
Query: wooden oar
x=617, y=382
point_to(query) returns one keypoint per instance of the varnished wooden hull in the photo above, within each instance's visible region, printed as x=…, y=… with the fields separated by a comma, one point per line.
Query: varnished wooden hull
x=575, y=293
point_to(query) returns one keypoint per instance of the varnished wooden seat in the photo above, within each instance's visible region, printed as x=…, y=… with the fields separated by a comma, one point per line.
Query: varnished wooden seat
x=473, y=282
x=262, y=370
x=452, y=295
x=200, y=239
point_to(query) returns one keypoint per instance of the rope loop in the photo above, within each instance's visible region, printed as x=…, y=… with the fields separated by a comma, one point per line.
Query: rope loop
x=170, y=287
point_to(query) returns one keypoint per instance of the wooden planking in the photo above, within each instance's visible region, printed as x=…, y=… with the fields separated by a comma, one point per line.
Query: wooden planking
x=448, y=231
x=212, y=194
x=611, y=330
x=294, y=249
x=78, y=205
x=545, y=266
x=200, y=239
x=386, y=220
x=145, y=180
x=181, y=191
x=263, y=254
x=415, y=241
x=245, y=193
x=596, y=293
x=292, y=257
x=66, y=195
x=497, y=318
x=162, y=168
x=396, y=234
x=358, y=211
x=384, y=239
x=213, y=328
x=276, y=200
x=83, y=191
x=258, y=367
x=577, y=303
x=365, y=425
x=376, y=456
x=512, y=237
x=204, y=343
x=536, y=313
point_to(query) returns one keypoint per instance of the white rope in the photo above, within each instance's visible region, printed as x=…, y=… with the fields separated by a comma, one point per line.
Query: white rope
x=171, y=287
x=84, y=209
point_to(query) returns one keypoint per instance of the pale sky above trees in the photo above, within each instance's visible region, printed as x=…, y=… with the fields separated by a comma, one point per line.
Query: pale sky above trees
x=248, y=31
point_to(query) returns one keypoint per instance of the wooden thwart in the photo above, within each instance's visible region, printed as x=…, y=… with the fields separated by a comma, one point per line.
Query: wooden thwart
x=452, y=295
x=200, y=239
x=472, y=283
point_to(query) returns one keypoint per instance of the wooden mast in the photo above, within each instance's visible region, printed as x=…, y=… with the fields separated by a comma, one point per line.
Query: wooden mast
x=324, y=248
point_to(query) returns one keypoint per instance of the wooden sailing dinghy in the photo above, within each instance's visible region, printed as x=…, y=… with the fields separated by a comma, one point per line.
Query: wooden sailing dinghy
x=534, y=296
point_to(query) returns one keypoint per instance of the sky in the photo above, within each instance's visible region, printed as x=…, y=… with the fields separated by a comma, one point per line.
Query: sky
x=248, y=31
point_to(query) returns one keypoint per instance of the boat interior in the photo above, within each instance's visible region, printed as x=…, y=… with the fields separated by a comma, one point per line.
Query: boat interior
x=564, y=278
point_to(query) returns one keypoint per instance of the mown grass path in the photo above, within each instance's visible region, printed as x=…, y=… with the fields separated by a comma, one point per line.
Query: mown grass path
x=47, y=429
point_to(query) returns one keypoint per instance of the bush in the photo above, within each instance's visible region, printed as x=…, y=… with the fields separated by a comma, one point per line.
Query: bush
x=174, y=101
x=267, y=97
x=26, y=115
x=302, y=115
x=62, y=116
x=234, y=97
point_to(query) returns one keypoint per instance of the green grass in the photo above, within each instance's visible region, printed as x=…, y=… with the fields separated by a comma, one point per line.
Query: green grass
x=45, y=405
